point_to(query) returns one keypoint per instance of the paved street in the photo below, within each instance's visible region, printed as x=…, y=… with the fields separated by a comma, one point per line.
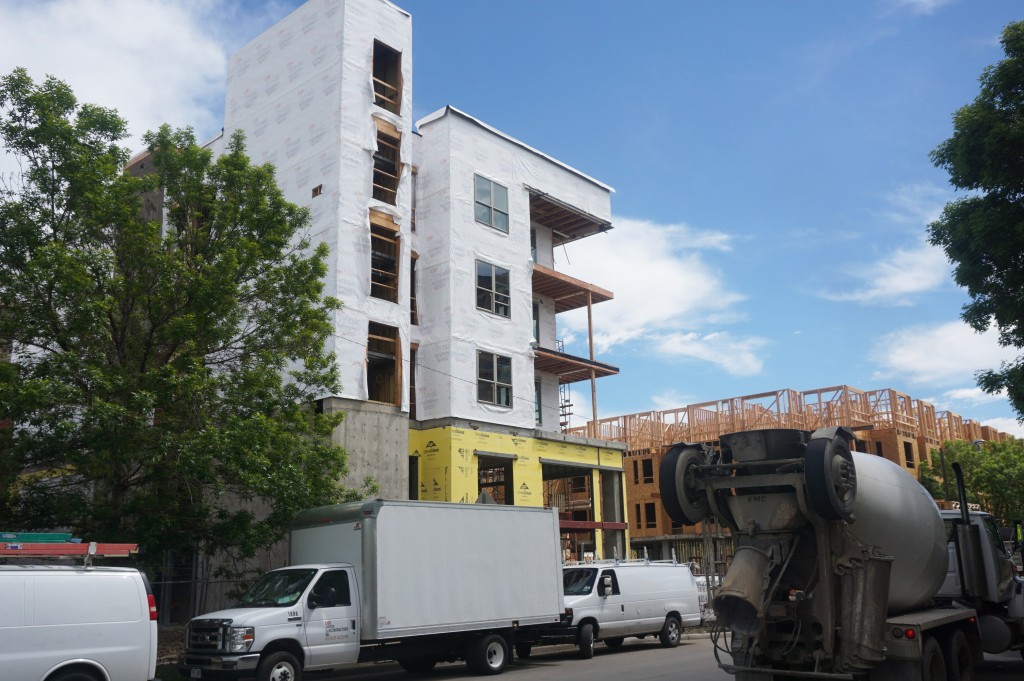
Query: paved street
x=644, y=660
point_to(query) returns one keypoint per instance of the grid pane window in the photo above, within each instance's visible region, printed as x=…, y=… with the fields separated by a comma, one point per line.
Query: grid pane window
x=494, y=379
x=491, y=205
x=493, y=289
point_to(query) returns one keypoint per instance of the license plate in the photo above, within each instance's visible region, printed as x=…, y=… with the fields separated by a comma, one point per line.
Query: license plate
x=195, y=673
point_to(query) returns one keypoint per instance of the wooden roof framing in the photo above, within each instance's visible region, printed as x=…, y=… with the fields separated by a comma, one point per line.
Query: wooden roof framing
x=567, y=223
x=567, y=292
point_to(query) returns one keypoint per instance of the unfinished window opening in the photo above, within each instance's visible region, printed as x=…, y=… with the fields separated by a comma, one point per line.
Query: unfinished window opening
x=386, y=167
x=536, y=403
x=414, y=315
x=412, y=212
x=651, y=515
x=383, y=264
x=387, y=77
x=908, y=455
x=382, y=362
x=491, y=207
x=636, y=472
x=639, y=517
x=318, y=190
x=493, y=289
x=878, y=449
x=414, y=478
x=536, y=322
x=648, y=470
x=494, y=477
x=494, y=379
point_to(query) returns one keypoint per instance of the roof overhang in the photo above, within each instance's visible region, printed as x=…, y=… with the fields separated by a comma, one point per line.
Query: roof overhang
x=567, y=223
x=567, y=292
x=569, y=368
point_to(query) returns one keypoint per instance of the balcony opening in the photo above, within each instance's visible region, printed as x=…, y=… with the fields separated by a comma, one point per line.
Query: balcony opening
x=383, y=264
x=382, y=362
x=387, y=77
x=386, y=167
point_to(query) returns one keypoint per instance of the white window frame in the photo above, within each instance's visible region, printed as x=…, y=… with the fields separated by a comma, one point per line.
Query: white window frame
x=490, y=203
x=500, y=392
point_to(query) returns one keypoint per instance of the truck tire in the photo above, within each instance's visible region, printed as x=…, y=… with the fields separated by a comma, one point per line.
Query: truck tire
x=279, y=666
x=958, y=659
x=75, y=675
x=683, y=502
x=586, y=641
x=831, y=478
x=417, y=665
x=613, y=642
x=671, y=632
x=489, y=655
x=933, y=667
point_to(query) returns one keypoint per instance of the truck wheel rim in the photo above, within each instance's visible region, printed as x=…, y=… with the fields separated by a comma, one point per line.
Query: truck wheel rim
x=495, y=655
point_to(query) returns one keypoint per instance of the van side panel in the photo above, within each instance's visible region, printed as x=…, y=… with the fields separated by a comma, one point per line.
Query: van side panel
x=63, y=615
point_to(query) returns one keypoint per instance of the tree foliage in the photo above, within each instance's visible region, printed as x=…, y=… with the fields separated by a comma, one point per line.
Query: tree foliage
x=993, y=476
x=983, y=232
x=162, y=378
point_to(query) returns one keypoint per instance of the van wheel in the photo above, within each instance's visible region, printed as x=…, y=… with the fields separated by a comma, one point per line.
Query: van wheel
x=279, y=666
x=74, y=675
x=586, y=641
x=489, y=655
x=614, y=642
x=671, y=632
x=957, y=653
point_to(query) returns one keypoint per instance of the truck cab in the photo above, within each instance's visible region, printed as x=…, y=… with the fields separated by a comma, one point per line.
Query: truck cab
x=304, y=617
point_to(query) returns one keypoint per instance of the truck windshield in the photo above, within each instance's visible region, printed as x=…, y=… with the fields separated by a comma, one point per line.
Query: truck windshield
x=578, y=581
x=279, y=588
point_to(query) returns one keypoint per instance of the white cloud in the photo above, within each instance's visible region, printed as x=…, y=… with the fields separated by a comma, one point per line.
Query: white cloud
x=670, y=399
x=736, y=356
x=973, y=396
x=155, y=61
x=919, y=7
x=660, y=280
x=943, y=354
x=1011, y=426
x=916, y=204
x=896, y=279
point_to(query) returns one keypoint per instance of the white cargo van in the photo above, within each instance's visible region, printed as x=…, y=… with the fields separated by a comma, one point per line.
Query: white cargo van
x=61, y=623
x=615, y=599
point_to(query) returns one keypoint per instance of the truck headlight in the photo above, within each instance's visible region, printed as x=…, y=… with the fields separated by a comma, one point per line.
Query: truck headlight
x=240, y=639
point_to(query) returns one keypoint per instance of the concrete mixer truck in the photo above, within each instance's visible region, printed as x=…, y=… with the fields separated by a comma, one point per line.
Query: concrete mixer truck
x=843, y=567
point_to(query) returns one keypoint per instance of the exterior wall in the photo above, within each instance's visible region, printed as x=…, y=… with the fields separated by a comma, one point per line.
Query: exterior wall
x=448, y=470
x=455, y=148
x=376, y=437
x=902, y=450
x=302, y=93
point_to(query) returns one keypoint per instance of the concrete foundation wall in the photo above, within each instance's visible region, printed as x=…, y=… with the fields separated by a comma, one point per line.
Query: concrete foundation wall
x=376, y=437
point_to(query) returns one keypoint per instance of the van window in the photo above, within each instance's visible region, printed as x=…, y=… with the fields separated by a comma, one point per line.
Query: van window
x=336, y=580
x=118, y=594
x=578, y=581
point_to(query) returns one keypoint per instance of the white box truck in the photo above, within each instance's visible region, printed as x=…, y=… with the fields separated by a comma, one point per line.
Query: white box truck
x=416, y=582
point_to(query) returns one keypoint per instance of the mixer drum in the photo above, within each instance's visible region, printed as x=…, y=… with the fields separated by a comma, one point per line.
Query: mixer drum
x=895, y=513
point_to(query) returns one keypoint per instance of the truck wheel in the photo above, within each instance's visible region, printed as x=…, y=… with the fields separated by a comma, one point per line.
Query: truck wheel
x=524, y=650
x=959, y=664
x=671, y=632
x=279, y=666
x=933, y=667
x=490, y=655
x=831, y=478
x=586, y=641
x=683, y=501
x=614, y=642
x=75, y=675
x=417, y=665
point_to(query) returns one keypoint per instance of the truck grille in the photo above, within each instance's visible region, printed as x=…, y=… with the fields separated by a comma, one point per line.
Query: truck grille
x=207, y=636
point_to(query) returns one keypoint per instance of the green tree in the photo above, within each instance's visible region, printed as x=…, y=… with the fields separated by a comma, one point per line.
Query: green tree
x=983, y=232
x=993, y=475
x=162, y=382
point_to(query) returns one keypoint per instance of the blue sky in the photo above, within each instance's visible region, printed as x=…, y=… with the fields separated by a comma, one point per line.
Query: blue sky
x=770, y=162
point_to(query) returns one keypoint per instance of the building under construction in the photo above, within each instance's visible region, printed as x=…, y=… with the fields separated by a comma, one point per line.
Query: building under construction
x=886, y=422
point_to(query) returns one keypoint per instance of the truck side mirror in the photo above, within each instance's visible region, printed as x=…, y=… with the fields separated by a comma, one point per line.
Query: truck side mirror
x=604, y=587
x=327, y=598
